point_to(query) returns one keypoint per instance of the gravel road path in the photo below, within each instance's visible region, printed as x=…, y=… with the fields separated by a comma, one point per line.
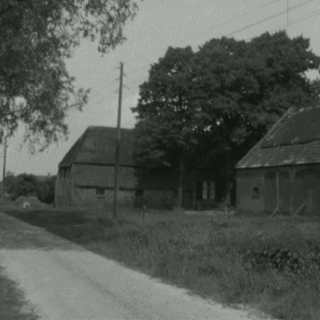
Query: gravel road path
x=64, y=281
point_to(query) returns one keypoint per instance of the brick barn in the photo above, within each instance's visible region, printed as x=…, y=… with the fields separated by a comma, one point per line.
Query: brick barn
x=86, y=176
x=282, y=172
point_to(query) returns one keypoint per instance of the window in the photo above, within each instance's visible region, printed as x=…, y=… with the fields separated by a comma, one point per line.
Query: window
x=212, y=190
x=100, y=192
x=205, y=190
x=139, y=193
x=255, y=192
x=208, y=190
x=63, y=172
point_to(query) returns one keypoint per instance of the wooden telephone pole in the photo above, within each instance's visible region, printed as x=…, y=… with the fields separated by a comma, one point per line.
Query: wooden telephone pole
x=116, y=168
x=287, y=17
x=4, y=168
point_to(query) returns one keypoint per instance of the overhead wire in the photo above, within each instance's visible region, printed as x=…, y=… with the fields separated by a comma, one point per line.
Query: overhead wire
x=245, y=27
x=196, y=35
x=232, y=33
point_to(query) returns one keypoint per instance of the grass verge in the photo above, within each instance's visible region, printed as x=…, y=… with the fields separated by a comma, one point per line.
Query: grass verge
x=12, y=303
x=270, y=264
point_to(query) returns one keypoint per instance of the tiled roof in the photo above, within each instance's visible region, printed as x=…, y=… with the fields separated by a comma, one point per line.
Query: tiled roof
x=97, y=146
x=293, y=140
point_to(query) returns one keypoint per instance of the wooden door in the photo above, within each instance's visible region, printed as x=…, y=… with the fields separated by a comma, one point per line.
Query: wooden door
x=277, y=191
x=307, y=191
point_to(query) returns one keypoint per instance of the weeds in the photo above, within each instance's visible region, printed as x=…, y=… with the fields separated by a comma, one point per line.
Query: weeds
x=271, y=264
x=12, y=304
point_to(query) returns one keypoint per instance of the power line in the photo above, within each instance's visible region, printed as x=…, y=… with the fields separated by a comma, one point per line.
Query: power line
x=229, y=34
x=270, y=18
x=228, y=21
x=213, y=27
x=97, y=93
x=103, y=98
x=235, y=32
x=245, y=27
x=196, y=35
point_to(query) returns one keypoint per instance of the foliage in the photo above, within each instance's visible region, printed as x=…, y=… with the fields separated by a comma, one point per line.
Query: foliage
x=249, y=85
x=36, y=38
x=302, y=260
x=13, y=304
x=30, y=185
x=22, y=185
x=166, y=114
x=168, y=117
x=46, y=189
x=213, y=105
x=207, y=255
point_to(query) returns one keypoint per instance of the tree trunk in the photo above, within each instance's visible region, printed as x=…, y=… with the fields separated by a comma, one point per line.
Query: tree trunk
x=180, y=182
x=229, y=178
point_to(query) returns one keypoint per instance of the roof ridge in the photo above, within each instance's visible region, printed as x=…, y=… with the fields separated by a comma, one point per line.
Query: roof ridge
x=269, y=133
x=290, y=144
x=106, y=127
x=88, y=149
x=308, y=108
x=73, y=151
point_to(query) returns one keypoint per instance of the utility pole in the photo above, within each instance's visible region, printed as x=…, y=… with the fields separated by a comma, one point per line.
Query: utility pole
x=116, y=168
x=4, y=168
x=288, y=17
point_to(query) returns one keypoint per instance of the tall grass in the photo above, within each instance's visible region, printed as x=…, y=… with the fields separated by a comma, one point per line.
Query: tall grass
x=271, y=264
x=274, y=269
x=12, y=303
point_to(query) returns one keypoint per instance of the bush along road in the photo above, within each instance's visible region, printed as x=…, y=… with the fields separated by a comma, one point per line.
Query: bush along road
x=62, y=280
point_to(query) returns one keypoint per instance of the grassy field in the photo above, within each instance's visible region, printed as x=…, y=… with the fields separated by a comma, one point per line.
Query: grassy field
x=12, y=303
x=270, y=264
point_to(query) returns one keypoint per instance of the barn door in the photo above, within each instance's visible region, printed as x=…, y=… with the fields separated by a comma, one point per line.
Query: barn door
x=307, y=191
x=270, y=191
x=277, y=191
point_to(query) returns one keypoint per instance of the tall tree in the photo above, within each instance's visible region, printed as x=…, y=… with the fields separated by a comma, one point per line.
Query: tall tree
x=226, y=96
x=249, y=85
x=167, y=114
x=36, y=37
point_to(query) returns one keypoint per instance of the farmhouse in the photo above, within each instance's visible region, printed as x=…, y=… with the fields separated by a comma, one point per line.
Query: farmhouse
x=282, y=172
x=86, y=175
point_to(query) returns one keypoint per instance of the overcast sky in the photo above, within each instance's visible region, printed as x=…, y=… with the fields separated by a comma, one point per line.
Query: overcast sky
x=158, y=25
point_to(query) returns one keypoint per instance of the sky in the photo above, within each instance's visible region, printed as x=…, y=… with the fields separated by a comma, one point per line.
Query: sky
x=158, y=25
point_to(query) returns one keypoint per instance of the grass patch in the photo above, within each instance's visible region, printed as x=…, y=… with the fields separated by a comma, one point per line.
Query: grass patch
x=270, y=264
x=12, y=303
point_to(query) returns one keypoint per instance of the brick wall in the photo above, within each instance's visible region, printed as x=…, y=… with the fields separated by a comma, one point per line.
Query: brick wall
x=286, y=188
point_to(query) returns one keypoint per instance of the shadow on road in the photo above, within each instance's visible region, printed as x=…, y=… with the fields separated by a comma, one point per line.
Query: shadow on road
x=16, y=234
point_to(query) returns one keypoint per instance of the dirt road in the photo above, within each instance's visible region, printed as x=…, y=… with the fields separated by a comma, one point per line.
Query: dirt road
x=64, y=281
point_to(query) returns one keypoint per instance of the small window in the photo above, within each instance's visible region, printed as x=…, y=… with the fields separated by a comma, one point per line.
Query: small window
x=205, y=190
x=208, y=190
x=255, y=192
x=63, y=172
x=100, y=192
x=139, y=193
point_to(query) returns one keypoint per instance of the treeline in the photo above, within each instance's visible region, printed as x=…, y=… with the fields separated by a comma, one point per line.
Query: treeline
x=30, y=185
x=207, y=108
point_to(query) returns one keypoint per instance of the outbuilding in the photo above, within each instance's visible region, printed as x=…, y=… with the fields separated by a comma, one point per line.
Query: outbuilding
x=86, y=176
x=282, y=172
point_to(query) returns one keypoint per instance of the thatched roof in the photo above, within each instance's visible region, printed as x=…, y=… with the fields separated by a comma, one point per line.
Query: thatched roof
x=294, y=140
x=97, y=146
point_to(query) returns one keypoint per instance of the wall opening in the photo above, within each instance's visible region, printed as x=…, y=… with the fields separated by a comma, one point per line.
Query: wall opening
x=255, y=192
x=100, y=192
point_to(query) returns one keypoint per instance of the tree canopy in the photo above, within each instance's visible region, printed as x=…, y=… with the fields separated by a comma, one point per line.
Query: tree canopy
x=167, y=114
x=36, y=38
x=230, y=91
x=30, y=185
x=249, y=85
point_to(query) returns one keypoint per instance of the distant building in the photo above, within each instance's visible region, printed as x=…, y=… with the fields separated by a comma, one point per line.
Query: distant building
x=282, y=172
x=86, y=176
